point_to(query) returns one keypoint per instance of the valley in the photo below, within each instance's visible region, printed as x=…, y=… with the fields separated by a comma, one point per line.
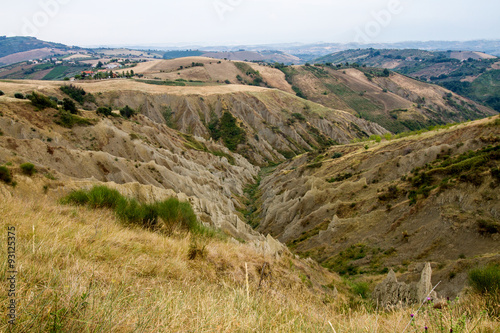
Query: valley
x=310, y=183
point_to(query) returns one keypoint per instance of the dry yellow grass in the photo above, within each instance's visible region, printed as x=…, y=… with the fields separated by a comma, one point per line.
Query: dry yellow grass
x=82, y=271
x=51, y=88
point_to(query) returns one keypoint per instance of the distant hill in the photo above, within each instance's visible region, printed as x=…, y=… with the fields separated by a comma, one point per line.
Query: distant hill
x=181, y=54
x=11, y=45
x=395, y=101
x=16, y=49
x=266, y=56
x=468, y=73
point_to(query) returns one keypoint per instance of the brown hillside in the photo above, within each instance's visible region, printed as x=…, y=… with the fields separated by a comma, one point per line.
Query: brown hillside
x=396, y=102
x=351, y=207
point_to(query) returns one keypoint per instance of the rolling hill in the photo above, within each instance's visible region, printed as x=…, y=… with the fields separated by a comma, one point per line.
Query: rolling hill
x=470, y=74
x=396, y=102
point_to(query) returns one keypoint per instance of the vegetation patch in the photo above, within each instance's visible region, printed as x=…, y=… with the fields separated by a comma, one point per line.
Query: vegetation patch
x=340, y=177
x=127, y=112
x=343, y=262
x=41, y=101
x=466, y=167
x=76, y=93
x=28, y=169
x=164, y=216
x=227, y=129
x=5, y=175
x=69, y=120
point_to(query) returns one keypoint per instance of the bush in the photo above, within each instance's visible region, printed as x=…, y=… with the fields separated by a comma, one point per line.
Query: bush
x=74, y=92
x=227, y=129
x=361, y=288
x=19, y=96
x=161, y=216
x=105, y=111
x=299, y=116
x=28, y=169
x=79, y=198
x=41, y=101
x=485, y=280
x=69, y=106
x=486, y=227
x=2, y=93
x=127, y=112
x=103, y=197
x=5, y=175
x=69, y=120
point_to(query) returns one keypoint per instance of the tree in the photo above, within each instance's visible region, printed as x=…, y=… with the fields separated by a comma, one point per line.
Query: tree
x=105, y=111
x=386, y=73
x=127, y=112
x=69, y=106
x=41, y=101
x=99, y=64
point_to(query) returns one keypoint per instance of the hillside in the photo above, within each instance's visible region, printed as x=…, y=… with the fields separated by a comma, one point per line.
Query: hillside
x=267, y=125
x=470, y=74
x=239, y=156
x=12, y=45
x=369, y=207
x=394, y=101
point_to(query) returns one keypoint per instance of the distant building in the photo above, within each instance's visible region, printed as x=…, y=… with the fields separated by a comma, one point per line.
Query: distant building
x=112, y=66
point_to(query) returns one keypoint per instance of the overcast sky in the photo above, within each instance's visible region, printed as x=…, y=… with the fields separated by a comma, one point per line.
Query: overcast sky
x=216, y=22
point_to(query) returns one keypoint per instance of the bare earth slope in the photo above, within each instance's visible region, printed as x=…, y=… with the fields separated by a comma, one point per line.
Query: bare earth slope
x=432, y=197
x=396, y=102
x=275, y=123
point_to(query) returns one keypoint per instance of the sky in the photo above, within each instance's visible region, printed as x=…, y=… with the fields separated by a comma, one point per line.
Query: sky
x=248, y=22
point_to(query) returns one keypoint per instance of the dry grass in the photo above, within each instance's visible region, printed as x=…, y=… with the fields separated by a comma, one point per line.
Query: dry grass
x=82, y=271
x=50, y=88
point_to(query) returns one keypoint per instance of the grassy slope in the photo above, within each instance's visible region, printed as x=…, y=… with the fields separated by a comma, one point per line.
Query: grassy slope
x=80, y=270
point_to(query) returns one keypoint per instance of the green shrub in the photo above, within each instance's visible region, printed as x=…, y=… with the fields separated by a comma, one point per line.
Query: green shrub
x=2, y=93
x=5, y=175
x=336, y=155
x=69, y=106
x=127, y=112
x=103, y=197
x=79, y=198
x=69, y=120
x=161, y=216
x=19, y=96
x=361, y=288
x=340, y=177
x=486, y=227
x=130, y=211
x=485, y=279
x=74, y=92
x=41, y=101
x=28, y=169
x=299, y=116
x=105, y=111
x=227, y=129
